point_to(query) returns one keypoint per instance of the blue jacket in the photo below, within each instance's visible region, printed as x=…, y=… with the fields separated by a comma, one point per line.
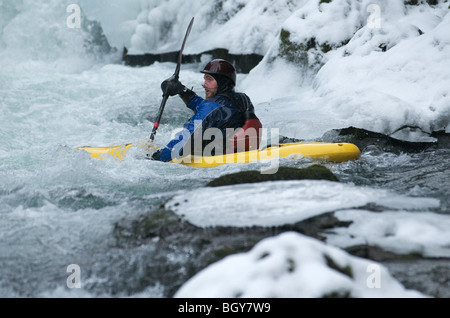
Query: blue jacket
x=222, y=111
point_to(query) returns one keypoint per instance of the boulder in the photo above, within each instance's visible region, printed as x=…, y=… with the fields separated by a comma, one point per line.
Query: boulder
x=314, y=172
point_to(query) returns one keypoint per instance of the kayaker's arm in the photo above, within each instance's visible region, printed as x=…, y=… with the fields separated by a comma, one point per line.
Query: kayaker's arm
x=202, y=109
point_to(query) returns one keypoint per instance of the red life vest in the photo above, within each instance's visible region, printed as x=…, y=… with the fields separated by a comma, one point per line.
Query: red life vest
x=248, y=137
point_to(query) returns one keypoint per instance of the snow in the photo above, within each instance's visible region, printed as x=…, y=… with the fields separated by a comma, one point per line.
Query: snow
x=398, y=92
x=358, y=84
x=251, y=204
x=401, y=232
x=158, y=25
x=291, y=266
x=404, y=227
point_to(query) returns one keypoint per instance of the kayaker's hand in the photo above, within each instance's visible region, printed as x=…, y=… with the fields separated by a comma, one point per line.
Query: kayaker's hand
x=148, y=146
x=155, y=156
x=172, y=87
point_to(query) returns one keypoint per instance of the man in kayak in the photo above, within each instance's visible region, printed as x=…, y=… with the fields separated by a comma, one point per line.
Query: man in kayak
x=223, y=122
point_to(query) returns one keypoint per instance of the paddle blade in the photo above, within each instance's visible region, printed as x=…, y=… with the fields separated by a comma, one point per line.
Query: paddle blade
x=180, y=55
x=120, y=152
x=116, y=152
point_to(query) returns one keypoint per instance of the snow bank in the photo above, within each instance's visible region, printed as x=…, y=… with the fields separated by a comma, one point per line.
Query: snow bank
x=293, y=266
x=383, y=91
x=238, y=25
x=377, y=65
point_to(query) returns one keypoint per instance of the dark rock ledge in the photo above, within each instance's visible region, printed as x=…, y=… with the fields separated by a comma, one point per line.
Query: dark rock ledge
x=244, y=63
x=364, y=138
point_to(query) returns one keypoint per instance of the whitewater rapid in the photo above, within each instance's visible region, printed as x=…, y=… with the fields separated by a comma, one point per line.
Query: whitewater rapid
x=59, y=207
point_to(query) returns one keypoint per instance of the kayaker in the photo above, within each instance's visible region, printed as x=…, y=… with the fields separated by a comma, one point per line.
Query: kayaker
x=223, y=110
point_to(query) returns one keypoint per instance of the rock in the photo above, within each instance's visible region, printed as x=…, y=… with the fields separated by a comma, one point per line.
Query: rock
x=364, y=139
x=430, y=276
x=378, y=254
x=180, y=249
x=314, y=172
x=243, y=63
x=175, y=250
x=443, y=139
x=309, y=54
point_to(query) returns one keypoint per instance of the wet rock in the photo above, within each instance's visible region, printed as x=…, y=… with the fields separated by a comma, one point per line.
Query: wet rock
x=365, y=139
x=180, y=249
x=417, y=2
x=96, y=42
x=443, y=139
x=243, y=63
x=309, y=54
x=430, y=276
x=314, y=172
x=414, y=271
x=378, y=254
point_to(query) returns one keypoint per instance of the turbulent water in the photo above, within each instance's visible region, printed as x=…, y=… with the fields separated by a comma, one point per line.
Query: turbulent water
x=59, y=207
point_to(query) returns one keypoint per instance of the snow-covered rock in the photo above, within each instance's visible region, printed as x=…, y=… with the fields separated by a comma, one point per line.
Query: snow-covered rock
x=290, y=266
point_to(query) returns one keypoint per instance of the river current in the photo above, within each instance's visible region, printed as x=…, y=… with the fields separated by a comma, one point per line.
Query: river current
x=59, y=207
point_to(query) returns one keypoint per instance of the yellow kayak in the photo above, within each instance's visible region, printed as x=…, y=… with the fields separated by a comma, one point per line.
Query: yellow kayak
x=333, y=152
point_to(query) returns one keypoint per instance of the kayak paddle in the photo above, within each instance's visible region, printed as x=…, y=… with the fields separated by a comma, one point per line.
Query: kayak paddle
x=175, y=76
